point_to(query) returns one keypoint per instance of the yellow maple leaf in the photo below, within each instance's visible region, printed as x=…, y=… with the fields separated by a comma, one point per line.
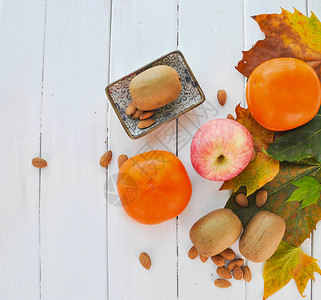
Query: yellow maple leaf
x=264, y=168
x=288, y=263
x=257, y=173
x=286, y=35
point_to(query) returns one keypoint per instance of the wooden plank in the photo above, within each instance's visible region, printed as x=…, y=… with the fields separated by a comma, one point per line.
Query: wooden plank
x=141, y=31
x=74, y=121
x=211, y=37
x=315, y=6
x=254, y=289
x=21, y=48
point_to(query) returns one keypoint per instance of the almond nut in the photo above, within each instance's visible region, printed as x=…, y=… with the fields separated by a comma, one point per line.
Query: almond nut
x=39, y=162
x=145, y=123
x=224, y=272
x=105, y=159
x=235, y=263
x=145, y=260
x=241, y=200
x=192, y=253
x=130, y=110
x=203, y=258
x=218, y=260
x=121, y=159
x=261, y=198
x=221, y=97
x=238, y=273
x=228, y=254
x=222, y=283
x=231, y=117
x=247, y=275
x=147, y=114
x=137, y=114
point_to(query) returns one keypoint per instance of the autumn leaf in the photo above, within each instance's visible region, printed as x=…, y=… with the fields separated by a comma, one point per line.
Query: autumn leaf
x=288, y=263
x=308, y=191
x=299, y=143
x=261, y=136
x=264, y=168
x=299, y=222
x=258, y=172
x=286, y=35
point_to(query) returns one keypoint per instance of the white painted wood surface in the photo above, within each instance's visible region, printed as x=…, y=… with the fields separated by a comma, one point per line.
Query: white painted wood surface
x=63, y=234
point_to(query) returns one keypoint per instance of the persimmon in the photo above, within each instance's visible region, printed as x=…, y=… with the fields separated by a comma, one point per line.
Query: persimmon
x=153, y=187
x=283, y=93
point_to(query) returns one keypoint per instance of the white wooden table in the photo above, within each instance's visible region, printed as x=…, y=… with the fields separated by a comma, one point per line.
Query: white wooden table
x=63, y=235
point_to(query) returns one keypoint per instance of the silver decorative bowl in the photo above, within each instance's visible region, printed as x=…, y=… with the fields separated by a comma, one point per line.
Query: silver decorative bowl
x=190, y=96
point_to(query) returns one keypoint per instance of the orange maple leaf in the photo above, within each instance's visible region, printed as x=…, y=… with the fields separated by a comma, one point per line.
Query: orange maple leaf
x=286, y=35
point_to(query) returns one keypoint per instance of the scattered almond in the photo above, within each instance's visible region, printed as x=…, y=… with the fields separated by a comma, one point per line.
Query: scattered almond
x=147, y=114
x=130, y=110
x=39, y=162
x=203, y=258
x=238, y=273
x=231, y=117
x=241, y=200
x=192, y=253
x=218, y=260
x=222, y=283
x=247, y=275
x=121, y=159
x=228, y=254
x=224, y=272
x=145, y=260
x=137, y=114
x=235, y=263
x=145, y=123
x=221, y=97
x=261, y=198
x=253, y=155
x=105, y=159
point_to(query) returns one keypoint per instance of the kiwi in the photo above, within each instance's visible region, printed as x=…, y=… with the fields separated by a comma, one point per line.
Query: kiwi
x=215, y=232
x=155, y=87
x=262, y=236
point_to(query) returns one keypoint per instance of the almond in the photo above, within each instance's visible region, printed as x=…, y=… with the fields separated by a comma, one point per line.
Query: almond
x=137, y=114
x=130, y=110
x=247, y=275
x=105, y=159
x=228, y=254
x=145, y=123
x=238, y=273
x=147, y=114
x=231, y=117
x=224, y=272
x=235, y=263
x=241, y=200
x=253, y=155
x=39, y=162
x=218, y=260
x=145, y=260
x=222, y=283
x=192, y=253
x=261, y=198
x=203, y=258
x=121, y=159
x=221, y=97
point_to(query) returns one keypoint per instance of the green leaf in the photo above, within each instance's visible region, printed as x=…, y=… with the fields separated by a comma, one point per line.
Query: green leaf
x=297, y=144
x=299, y=221
x=308, y=191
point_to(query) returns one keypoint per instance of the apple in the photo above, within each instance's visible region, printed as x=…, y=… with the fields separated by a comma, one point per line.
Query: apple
x=221, y=149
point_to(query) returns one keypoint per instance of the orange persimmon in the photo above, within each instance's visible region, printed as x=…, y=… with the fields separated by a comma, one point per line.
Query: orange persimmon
x=153, y=187
x=283, y=93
